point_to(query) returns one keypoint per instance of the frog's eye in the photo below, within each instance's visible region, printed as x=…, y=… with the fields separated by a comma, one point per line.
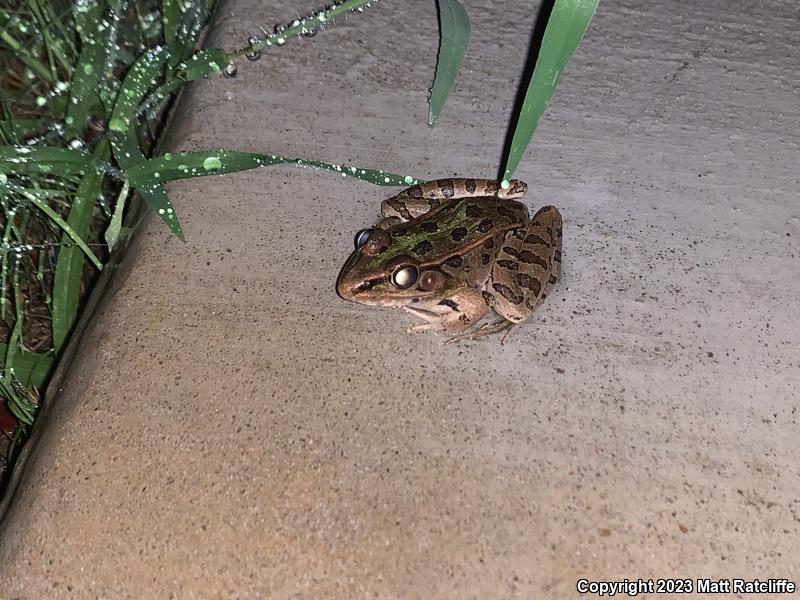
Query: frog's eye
x=362, y=237
x=404, y=277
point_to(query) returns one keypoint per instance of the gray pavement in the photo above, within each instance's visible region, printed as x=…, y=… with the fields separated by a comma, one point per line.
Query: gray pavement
x=234, y=429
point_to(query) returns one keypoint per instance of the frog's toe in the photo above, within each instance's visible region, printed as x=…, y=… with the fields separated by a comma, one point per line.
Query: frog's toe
x=486, y=329
x=425, y=315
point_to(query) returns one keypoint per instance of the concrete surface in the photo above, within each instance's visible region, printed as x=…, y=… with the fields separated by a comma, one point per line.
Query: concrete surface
x=234, y=429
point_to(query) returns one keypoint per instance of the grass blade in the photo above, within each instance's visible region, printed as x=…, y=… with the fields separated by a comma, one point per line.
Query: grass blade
x=185, y=165
x=29, y=368
x=453, y=42
x=170, y=18
x=137, y=82
x=69, y=265
x=568, y=21
x=45, y=159
x=83, y=89
x=56, y=218
x=157, y=199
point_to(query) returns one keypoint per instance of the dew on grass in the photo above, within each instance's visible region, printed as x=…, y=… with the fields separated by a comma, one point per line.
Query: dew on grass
x=212, y=163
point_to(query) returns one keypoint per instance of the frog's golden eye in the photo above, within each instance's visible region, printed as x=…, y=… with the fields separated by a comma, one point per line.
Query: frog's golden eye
x=404, y=277
x=362, y=237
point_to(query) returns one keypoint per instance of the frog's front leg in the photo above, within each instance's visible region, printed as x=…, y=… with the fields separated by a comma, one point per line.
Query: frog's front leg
x=451, y=315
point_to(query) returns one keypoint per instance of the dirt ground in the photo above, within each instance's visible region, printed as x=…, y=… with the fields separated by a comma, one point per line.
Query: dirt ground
x=232, y=428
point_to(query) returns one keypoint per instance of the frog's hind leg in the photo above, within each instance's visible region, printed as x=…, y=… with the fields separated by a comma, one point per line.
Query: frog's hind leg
x=528, y=265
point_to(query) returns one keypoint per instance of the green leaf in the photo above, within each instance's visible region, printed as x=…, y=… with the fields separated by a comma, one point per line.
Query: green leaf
x=13, y=130
x=85, y=78
x=170, y=17
x=69, y=265
x=568, y=22
x=453, y=42
x=157, y=199
x=115, y=225
x=203, y=63
x=185, y=165
x=29, y=368
x=45, y=159
x=182, y=44
x=142, y=76
x=56, y=218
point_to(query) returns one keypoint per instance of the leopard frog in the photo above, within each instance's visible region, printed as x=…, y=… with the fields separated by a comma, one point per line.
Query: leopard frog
x=448, y=251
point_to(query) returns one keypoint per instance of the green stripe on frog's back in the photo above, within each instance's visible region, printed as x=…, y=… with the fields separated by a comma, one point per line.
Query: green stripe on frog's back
x=455, y=229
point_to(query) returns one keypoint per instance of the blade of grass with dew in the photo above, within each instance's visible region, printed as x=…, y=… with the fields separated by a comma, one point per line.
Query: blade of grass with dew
x=203, y=63
x=151, y=189
x=115, y=225
x=453, y=41
x=170, y=18
x=134, y=88
x=568, y=21
x=18, y=407
x=20, y=50
x=29, y=368
x=182, y=44
x=13, y=130
x=83, y=88
x=69, y=263
x=302, y=26
x=123, y=138
x=185, y=165
x=44, y=159
x=56, y=218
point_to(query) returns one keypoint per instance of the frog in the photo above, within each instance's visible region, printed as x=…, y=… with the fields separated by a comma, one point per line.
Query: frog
x=450, y=251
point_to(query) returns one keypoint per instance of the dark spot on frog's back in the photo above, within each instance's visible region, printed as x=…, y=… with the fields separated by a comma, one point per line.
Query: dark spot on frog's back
x=454, y=261
x=504, y=211
x=415, y=192
x=488, y=243
x=400, y=232
x=459, y=233
x=447, y=188
x=429, y=227
x=470, y=185
x=422, y=248
x=485, y=225
x=473, y=210
x=485, y=258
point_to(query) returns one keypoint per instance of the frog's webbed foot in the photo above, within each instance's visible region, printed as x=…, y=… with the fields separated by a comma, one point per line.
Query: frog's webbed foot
x=487, y=329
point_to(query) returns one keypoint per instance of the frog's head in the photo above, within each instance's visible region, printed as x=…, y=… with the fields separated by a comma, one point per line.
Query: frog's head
x=383, y=271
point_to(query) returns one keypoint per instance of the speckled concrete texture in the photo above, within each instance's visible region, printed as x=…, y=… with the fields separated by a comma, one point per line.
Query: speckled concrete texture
x=234, y=429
